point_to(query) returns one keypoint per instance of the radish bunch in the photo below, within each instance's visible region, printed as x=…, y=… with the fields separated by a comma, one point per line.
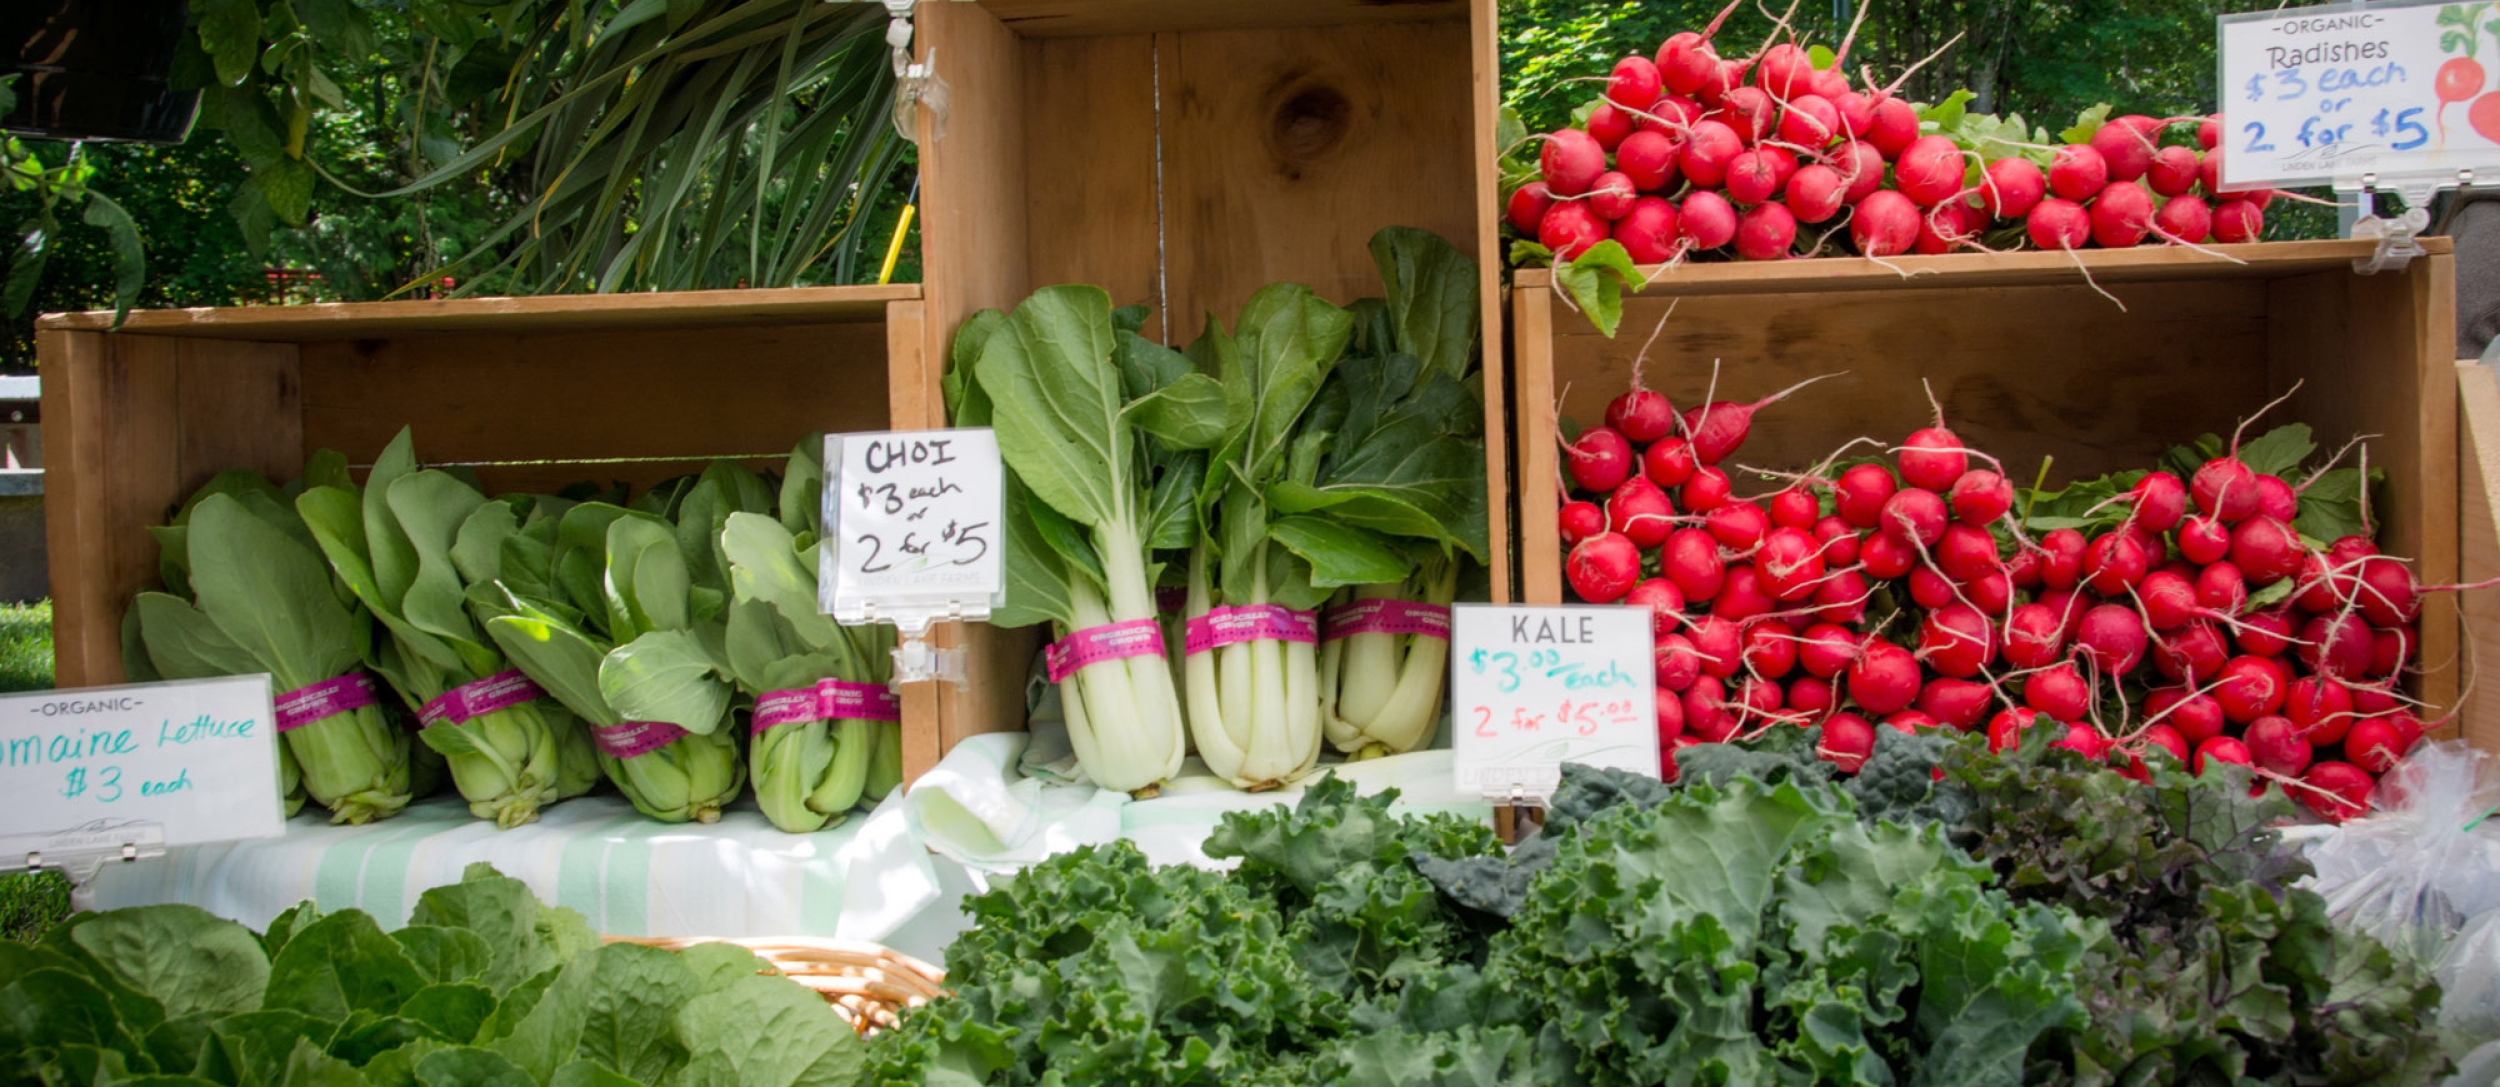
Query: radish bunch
x=1689, y=153
x=1906, y=591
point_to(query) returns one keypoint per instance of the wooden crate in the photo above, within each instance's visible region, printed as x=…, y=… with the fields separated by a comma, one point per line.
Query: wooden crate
x=533, y=393
x=1184, y=153
x=2031, y=362
x=2478, y=526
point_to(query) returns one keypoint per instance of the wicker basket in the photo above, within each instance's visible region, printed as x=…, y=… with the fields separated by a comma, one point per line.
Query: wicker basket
x=867, y=984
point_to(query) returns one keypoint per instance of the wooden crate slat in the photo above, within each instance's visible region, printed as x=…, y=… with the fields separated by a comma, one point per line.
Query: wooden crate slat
x=2478, y=513
x=550, y=313
x=1088, y=18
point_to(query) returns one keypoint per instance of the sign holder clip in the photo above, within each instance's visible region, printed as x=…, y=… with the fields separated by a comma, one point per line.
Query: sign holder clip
x=915, y=660
x=2397, y=238
x=1516, y=811
x=82, y=851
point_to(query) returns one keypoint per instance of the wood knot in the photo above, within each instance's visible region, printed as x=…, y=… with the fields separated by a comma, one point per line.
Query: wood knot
x=1309, y=122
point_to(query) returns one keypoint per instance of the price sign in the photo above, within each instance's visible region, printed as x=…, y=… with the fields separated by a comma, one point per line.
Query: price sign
x=2324, y=94
x=199, y=758
x=1532, y=688
x=913, y=526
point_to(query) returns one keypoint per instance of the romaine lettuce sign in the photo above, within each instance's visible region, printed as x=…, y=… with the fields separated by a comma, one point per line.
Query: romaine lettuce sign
x=2322, y=94
x=1532, y=688
x=198, y=757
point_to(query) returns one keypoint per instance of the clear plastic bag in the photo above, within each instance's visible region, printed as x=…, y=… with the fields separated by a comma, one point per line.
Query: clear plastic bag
x=2422, y=874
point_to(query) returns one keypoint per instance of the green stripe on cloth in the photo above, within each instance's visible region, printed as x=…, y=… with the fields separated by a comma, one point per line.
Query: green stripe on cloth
x=340, y=881
x=581, y=876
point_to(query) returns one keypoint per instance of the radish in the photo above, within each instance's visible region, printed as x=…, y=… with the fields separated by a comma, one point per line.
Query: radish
x=1815, y=193
x=1785, y=71
x=2057, y=223
x=1603, y=567
x=1668, y=771
x=1792, y=565
x=2265, y=550
x=2238, y=221
x=1691, y=560
x=1862, y=166
x=2061, y=566
x=1648, y=232
x=1895, y=127
x=1861, y=493
x=2113, y=564
x=1770, y=650
x=1709, y=221
x=1848, y=741
x=2010, y=188
x=2458, y=80
x=1641, y=415
x=1682, y=57
x=1841, y=598
x=1611, y=196
x=2024, y=568
x=1648, y=158
x=1672, y=115
x=1831, y=81
x=2374, y=698
x=1664, y=601
x=1570, y=161
x=1719, y=642
x=2159, y=501
x=1857, y=115
x=2190, y=654
x=1528, y=204
x=1910, y=721
x=1914, y=514
x=2184, y=219
x=2274, y=744
x=2167, y=740
x=2076, y=172
x=1887, y=557
x=2266, y=633
x=1956, y=702
x=2248, y=688
x=1634, y=83
x=2217, y=750
x=2209, y=132
x=1668, y=462
x=2197, y=717
x=1641, y=512
x=1811, y=697
x=1981, y=497
x=1743, y=596
x=1749, y=112
x=2033, y=637
x=1884, y=678
x=2121, y=215
x=1929, y=589
x=1670, y=720
x=2126, y=145
x=1752, y=178
x=1886, y=224
x=2005, y=730
x=2084, y=740
x=1707, y=152
x=2320, y=708
x=1826, y=649
x=1766, y=232
x=1707, y=490
x=1958, y=641
x=2374, y=744
x=1966, y=553
x=2156, y=550
x=1580, y=520
x=1611, y=125
x=2348, y=549
x=2337, y=791
x=2172, y=171
x=2058, y=691
x=1676, y=662
x=1946, y=227
x=2408, y=729
x=1809, y=122
x=2204, y=540
x=1600, y=461
x=1716, y=429
x=2276, y=498
x=2220, y=588
x=2387, y=594
x=2169, y=600
x=2225, y=489
x=1794, y=508
x=1929, y=170
x=1739, y=526
x=2390, y=651
x=2112, y=638
x=1570, y=228
x=1706, y=716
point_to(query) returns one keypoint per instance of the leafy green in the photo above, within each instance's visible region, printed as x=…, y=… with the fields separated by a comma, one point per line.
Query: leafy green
x=1595, y=281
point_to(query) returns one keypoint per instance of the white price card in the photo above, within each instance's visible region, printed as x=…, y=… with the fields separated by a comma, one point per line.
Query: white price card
x=1532, y=688
x=2323, y=94
x=197, y=757
x=912, y=526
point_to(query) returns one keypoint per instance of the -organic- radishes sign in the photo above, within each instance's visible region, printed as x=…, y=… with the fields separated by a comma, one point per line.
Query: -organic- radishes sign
x=2327, y=94
x=1532, y=688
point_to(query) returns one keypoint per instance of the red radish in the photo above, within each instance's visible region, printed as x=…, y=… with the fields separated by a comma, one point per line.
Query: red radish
x=2112, y=637
x=1676, y=662
x=2024, y=568
x=1603, y=567
x=1641, y=512
x=1648, y=232
x=1766, y=232
x=2190, y=654
x=2197, y=717
x=2059, y=692
x=2374, y=744
x=1981, y=497
x=1611, y=196
x=2217, y=750
x=1709, y=221
x=1570, y=228
x=1795, y=508
x=2010, y=188
x=1914, y=514
x=1848, y=741
x=1960, y=703
x=1570, y=161
x=1929, y=589
x=2265, y=550
x=1811, y=697
x=1887, y=557
x=2320, y=708
x=2057, y=223
x=2159, y=501
x=1707, y=152
x=2209, y=132
x=1841, y=598
x=1668, y=462
x=1749, y=112
x=1770, y=651
x=1862, y=492
x=1831, y=81
x=2033, y=637
x=1862, y=166
x=2121, y=215
x=1648, y=158
x=2156, y=551
x=1895, y=126
x=2076, y=172
x=2387, y=594
x=1743, y=597
x=2084, y=740
x=1715, y=87
x=1958, y=641
x=1966, y=553
x=2068, y=605
x=1857, y=115
x=1634, y=84
x=2204, y=540
x=1990, y=593
x=1642, y=416
x=1791, y=564
x=2408, y=729
x=2167, y=740
x=1670, y=720
x=1580, y=520
x=1719, y=642
x=1752, y=177
x=1681, y=59
x=1946, y=227
x=1884, y=679
x=1910, y=721
x=2248, y=688
x=2113, y=564
x=1707, y=490
x=2005, y=730
x=1664, y=601
x=1929, y=170
x=1810, y=122
x=2274, y=744
x=2172, y=171
x=2184, y=219
x=2276, y=498
x=2238, y=221
x=1784, y=70
x=2126, y=145
x=2169, y=600
x=1691, y=560
x=2061, y=566
x=1716, y=429
x=1528, y=204
x=2225, y=489
x=2458, y=80
x=1706, y=716
x=1886, y=224
x=2220, y=587
x=2266, y=633
x=1600, y=461
x=1611, y=125
x=1815, y=193
x=1826, y=649
x=2337, y=791
x=2390, y=651
x=2374, y=698
x=2350, y=548
x=1738, y=526
x=1672, y=114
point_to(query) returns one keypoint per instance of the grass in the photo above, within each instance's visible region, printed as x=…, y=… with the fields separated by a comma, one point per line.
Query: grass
x=30, y=902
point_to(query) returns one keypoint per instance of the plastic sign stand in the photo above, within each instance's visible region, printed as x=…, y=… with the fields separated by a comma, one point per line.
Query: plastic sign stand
x=106, y=774
x=2362, y=97
x=914, y=533
x=1532, y=688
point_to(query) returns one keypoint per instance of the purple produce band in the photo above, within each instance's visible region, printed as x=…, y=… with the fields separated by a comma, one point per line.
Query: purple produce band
x=626, y=739
x=500, y=691
x=828, y=700
x=305, y=705
x=1389, y=617
x=1224, y=626
x=1094, y=645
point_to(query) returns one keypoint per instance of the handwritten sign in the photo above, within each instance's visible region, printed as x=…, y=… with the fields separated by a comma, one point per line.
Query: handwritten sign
x=2321, y=94
x=1532, y=688
x=197, y=757
x=913, y=520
